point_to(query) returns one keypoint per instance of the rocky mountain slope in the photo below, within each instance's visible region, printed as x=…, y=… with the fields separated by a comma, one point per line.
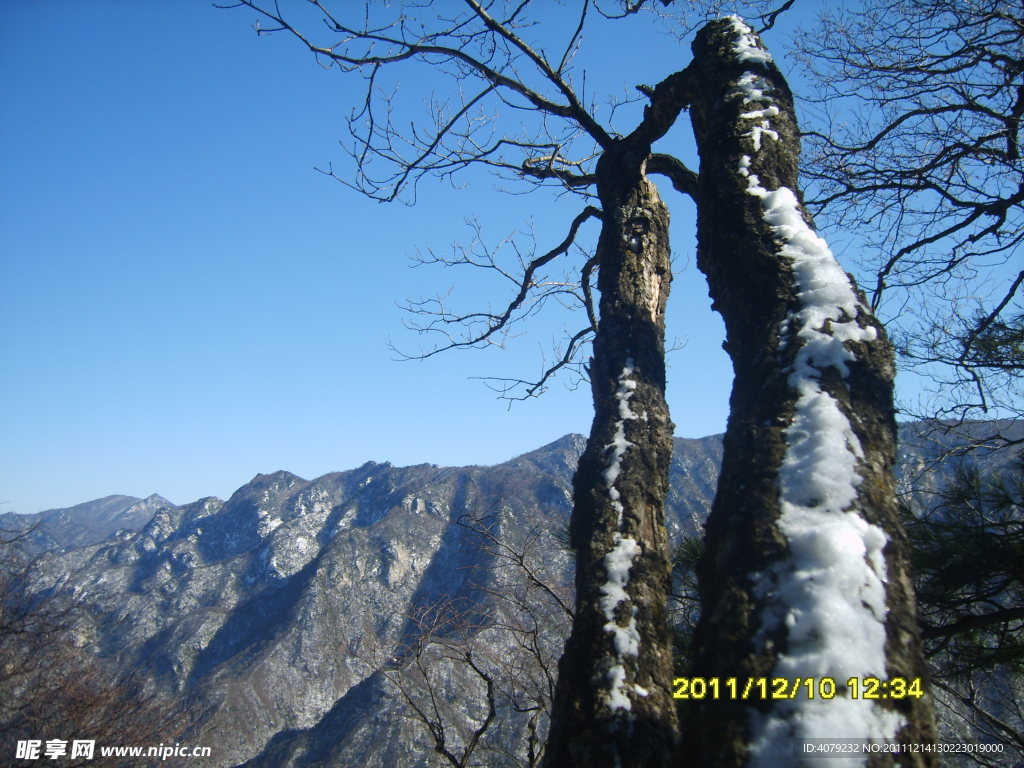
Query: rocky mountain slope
x=291, y=615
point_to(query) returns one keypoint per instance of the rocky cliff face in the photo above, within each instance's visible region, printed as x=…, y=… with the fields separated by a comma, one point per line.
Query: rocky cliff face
x=284, y=615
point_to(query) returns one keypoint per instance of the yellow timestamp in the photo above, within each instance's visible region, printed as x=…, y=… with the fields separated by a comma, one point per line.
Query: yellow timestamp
x=738, y=689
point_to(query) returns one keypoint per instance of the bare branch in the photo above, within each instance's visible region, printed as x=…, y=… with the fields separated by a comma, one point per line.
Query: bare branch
x=508, y=388
x=924, y=166
x=495, y=323
x=771, y=17
x=575, y=109
x=683, y=179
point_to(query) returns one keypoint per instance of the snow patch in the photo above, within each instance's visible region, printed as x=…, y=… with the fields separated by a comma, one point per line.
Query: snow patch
x=829, y=592
x=754, y=90
x=619, y=561
x=746, y=47
x=267, y=522
x=619, y=444
x=617, y=698
x=829, y=306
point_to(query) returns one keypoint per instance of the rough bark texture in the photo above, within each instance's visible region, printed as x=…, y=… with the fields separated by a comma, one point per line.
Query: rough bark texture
x=753, y=287
x=601, y=717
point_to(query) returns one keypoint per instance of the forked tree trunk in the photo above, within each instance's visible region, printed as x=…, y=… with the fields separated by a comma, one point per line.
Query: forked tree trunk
x=613, y=707
x=807, y=599
x=805, y=573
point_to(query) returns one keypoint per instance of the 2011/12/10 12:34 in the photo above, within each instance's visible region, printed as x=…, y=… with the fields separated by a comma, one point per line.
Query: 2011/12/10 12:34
x=790, y=688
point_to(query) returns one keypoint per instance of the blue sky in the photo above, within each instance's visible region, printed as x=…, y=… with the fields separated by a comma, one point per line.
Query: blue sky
x=186, y=302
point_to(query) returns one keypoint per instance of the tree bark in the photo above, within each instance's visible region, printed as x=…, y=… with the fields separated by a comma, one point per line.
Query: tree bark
x=805, y=574
x=613, y=704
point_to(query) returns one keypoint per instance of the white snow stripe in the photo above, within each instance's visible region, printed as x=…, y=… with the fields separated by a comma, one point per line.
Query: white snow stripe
x=829, y=592
x=619, y=561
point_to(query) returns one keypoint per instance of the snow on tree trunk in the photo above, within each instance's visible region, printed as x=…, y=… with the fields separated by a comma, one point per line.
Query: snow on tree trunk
x=613, y=706
x=805, y=573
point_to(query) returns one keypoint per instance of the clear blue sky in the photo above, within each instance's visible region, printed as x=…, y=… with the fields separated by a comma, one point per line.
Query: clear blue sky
x=186, y=302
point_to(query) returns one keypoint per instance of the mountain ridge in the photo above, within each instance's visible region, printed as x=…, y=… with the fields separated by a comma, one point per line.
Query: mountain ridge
x=283, y=613
x=82, y=524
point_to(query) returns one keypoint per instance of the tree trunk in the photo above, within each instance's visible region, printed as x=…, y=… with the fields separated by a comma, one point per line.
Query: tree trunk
x=805, y=575
x=613, y=705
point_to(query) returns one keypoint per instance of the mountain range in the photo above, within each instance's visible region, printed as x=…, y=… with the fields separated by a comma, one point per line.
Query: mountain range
x=293, y=618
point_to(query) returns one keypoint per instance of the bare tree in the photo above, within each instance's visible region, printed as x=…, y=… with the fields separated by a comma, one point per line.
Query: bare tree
x=618, y=524
x=443, y=636
x=806, y=363
x=805, y=514
x=917, y=153
x=983, y=708
x=530, y=586
x=477, y=674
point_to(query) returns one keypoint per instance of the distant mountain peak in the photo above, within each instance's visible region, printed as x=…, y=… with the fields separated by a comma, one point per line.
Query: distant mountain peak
x=156, y=498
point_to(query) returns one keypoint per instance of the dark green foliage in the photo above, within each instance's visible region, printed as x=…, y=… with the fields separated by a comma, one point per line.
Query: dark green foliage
x=968, y=556
x=997, y=344
x=684, y=602
x=969, y=565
